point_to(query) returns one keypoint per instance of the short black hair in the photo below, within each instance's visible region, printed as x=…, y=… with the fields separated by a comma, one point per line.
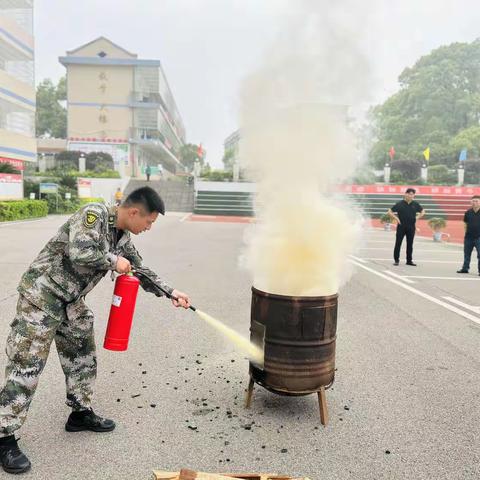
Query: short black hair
x=148, y=198
x=476, y=196
x=410, y=190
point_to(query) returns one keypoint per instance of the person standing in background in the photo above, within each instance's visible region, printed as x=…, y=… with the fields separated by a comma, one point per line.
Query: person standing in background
x=472, y=234
x=118, y=196
x=148, y=172
x=406, y=213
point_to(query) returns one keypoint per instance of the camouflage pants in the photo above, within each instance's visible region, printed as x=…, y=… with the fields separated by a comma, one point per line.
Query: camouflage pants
x=28, y=344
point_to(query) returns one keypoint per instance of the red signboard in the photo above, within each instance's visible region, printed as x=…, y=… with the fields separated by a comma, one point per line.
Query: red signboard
x=400, y=189
x=10, y=178
x=18, y=164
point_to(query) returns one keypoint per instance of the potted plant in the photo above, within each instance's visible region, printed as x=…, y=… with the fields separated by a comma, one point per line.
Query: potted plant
x=437, y=224
x=386, y=220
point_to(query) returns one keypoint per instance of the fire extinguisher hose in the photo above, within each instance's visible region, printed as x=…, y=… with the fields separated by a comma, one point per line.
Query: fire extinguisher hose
x=141, y=273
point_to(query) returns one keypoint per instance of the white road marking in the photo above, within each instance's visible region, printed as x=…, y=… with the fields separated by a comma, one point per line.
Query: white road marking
x=415, y=260
x=21, y=222
x=445, y=278
x=400, y=277
x=419, y=293
x=185, y=217
x=361, y=260
x=389, y=242
x=464, y=305
x=416, y=250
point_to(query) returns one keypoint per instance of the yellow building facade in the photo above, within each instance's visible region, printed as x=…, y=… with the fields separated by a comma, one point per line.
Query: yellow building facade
x=122, y=105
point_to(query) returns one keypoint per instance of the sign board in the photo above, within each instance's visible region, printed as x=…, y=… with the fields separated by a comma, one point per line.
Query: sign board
x=48, y=188
x=84, y=187
x=32, y=196
x=10, y=178
x=68, y=196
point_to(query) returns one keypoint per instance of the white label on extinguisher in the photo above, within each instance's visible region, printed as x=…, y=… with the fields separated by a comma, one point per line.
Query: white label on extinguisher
x=116, y=300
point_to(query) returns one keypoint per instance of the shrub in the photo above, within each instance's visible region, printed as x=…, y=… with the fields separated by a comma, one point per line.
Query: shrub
x=58, y=174
x=99, y=161
x=217, y=175
x=22, y=209
x=386, y=218
x=441, y=175
x=94, y=161
x=409, y=169
x=97, y=174
x=472, y=172
x=437, y=223
x=60, y=205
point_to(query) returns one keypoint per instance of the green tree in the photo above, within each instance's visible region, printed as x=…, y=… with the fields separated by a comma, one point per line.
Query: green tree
x=51, y=116
x=94, y=161
x=228, y=158
x=441, y=175
x=188, y=154
x=439, y=98
x=99, y=161
x=408, y=170
x=472, y=172
x=469, y=139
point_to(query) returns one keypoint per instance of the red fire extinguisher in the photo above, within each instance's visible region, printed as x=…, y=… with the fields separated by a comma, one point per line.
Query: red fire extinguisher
x=121, y=312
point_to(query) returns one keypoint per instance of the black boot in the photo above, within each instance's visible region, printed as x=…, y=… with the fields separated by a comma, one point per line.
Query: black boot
x=87, y=420
x=12, y=458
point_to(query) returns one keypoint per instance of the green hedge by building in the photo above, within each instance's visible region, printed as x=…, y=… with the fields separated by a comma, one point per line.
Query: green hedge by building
x=22, y=209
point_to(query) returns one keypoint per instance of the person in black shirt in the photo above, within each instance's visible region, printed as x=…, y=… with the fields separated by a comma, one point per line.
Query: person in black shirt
x=472, y=234
x=406, y=212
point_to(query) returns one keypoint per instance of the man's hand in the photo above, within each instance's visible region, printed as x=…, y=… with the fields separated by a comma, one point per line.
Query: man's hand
x=182, y=299
x=123, y=265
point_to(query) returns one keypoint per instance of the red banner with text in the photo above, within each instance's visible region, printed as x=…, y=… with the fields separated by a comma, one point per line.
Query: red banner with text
x=400, y=189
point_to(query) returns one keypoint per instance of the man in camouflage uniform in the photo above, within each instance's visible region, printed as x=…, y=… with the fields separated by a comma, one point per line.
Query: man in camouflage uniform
x=51, y=307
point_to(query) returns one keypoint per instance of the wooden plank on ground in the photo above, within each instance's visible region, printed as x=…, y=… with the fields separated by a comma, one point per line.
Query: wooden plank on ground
x=186, y=474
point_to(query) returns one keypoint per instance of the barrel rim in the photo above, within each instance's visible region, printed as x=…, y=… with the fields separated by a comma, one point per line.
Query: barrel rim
x=324, y=298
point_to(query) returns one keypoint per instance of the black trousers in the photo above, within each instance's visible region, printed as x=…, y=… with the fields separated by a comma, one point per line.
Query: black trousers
x=468, y=245
x=404, y=231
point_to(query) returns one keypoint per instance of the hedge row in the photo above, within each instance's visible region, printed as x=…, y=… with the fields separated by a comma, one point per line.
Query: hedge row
x=61, y=205
x=21, y=209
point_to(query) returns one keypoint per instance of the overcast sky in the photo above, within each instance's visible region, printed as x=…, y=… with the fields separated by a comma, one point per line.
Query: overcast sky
x=207, y=47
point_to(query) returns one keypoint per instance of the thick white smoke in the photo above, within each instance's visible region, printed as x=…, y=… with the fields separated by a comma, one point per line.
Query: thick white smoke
x=296, y=143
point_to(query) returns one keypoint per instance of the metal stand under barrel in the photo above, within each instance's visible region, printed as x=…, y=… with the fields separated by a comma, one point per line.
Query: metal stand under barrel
x=298, y=335
x=322, y=401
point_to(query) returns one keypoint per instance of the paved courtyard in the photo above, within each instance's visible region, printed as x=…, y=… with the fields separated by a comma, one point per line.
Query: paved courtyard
x=404, y=404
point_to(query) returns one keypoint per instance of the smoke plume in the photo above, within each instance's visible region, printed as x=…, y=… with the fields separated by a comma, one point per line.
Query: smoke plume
x=296, y=144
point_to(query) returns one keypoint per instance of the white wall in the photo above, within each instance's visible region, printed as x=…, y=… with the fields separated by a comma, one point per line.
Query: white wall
x=104, y=187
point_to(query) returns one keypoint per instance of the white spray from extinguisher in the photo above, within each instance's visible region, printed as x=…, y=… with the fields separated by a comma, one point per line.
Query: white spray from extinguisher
x=254, y=353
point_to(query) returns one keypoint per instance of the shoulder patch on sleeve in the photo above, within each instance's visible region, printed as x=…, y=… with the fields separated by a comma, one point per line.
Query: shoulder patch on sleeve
x=90, y=219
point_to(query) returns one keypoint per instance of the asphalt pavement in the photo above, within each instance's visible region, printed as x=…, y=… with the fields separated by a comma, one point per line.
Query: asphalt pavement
x=405, y=403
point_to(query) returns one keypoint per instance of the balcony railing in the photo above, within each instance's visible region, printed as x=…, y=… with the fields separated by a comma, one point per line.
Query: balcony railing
x=148, y=97
x=151, y=134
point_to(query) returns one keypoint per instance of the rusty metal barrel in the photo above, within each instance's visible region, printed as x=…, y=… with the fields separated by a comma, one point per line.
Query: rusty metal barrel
x=299, y=337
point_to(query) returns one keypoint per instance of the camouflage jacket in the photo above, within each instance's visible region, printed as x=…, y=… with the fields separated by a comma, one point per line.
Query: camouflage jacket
x=84, y=249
